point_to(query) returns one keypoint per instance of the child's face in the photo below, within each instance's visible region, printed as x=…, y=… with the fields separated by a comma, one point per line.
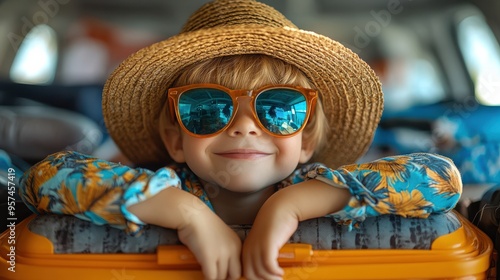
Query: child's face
x=243, y=158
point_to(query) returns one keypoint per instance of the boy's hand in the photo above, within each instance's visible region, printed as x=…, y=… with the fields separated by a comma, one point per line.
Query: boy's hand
x=271, y=230
x=215, y=245
x=278, y=219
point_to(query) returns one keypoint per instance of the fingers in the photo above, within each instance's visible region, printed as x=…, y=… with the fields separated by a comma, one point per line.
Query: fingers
x=217, y=250
x=234, y=268
x=263, y=264
x=220, y=270
x=257, y=264
x=223, y=268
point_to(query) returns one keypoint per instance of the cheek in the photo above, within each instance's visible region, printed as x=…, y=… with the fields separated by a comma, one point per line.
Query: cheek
x=194, y=145
x=195, y=151
x=289, y=151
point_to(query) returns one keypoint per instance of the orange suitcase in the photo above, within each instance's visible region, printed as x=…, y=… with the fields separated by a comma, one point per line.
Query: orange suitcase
x=444, y=246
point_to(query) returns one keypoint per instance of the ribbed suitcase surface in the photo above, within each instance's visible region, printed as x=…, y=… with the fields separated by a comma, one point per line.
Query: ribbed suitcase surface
x=444, y=246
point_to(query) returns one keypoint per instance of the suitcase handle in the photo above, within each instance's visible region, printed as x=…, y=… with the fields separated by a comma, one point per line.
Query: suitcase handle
x=182, y=256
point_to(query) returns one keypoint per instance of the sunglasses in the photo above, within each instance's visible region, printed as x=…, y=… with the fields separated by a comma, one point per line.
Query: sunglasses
x=205, y=110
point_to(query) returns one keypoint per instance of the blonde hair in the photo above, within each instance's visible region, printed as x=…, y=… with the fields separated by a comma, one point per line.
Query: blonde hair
x=254, y=71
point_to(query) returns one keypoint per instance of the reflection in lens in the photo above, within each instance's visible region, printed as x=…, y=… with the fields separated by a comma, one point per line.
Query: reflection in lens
x=281, y=111
x=205, y=111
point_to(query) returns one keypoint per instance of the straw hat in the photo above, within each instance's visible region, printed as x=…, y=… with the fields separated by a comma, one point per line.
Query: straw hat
x=349, y=89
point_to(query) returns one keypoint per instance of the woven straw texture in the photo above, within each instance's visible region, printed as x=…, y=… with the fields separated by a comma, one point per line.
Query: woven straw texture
x=349, y=89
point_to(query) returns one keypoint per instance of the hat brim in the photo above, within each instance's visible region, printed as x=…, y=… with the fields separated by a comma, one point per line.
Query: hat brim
x=349, y=90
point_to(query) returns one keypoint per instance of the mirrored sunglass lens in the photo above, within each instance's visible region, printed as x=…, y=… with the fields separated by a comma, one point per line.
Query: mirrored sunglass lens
x=281, y=111
x=205, y=111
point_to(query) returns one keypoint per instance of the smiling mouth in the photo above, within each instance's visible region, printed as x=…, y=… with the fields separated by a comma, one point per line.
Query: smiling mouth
x=243, y=154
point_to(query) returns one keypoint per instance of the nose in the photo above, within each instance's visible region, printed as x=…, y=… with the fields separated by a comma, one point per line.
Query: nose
x=244, y=122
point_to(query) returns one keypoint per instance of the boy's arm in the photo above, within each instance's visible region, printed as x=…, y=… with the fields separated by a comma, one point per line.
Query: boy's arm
x=278, y=219
x=92, y=189
x=108, y=193
x=414, y=185
x=216, y=246
x=411, y=186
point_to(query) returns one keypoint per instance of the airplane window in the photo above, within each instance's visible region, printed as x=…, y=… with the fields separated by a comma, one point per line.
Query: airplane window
x=481, y=53
x=36, y=59
x=409, y=71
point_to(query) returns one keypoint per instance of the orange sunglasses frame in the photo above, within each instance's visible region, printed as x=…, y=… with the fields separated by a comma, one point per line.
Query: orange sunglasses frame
x=175, y=93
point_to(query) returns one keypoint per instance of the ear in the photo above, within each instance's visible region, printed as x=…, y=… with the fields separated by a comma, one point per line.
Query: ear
x=307, y=150
x=171, y=137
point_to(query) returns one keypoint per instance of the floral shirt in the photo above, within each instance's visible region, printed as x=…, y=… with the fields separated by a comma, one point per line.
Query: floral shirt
x=100, y=191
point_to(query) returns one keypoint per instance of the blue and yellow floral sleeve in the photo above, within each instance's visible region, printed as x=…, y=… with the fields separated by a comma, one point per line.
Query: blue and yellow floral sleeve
x=92, y=189
x=413, y=185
